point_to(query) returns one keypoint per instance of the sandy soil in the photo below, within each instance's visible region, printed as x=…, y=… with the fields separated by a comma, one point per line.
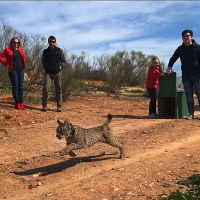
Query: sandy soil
x=159, y=152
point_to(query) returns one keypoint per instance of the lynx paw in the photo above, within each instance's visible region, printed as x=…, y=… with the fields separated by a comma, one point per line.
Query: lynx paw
x=72, y=154
x=62, y=152
x=123, y=157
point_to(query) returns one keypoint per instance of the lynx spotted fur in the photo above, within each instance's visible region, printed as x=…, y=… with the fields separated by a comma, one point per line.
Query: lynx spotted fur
x=78, y=138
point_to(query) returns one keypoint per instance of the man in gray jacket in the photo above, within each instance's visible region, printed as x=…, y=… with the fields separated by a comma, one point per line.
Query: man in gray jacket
x=52, y=61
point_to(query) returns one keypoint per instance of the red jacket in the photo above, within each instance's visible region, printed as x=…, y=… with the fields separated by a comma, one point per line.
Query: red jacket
x=153, y=76
x=8, y=54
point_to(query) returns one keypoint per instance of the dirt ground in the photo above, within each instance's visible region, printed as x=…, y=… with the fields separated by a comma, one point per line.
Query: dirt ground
x=159, y=152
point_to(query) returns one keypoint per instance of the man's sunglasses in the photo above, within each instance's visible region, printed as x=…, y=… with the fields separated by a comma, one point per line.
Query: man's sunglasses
x=51, y=41
x=185, y=36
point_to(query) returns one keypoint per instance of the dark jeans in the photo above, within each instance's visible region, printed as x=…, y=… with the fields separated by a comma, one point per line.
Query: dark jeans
x=190, y=84
x=48, y=78
x=17, y=81
x=153, y=92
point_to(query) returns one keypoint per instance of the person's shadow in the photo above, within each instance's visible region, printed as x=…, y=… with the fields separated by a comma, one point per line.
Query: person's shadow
x=130, y=116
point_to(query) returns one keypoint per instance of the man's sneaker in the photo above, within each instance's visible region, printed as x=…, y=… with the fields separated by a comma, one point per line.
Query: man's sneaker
x=156, y=115
x=190, y=117
x=152, y=115
x=59, y=109
x=44, y=109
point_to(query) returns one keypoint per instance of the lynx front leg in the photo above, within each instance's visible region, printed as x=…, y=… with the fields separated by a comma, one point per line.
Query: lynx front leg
x=71, y=153
x=69, y=149
x=64, y=152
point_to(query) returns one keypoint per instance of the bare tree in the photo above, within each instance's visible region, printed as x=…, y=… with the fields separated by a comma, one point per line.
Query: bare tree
x=121, y=69
x=33, y=50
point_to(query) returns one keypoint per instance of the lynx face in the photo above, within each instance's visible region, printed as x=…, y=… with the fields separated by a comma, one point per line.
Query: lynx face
x=63, y=131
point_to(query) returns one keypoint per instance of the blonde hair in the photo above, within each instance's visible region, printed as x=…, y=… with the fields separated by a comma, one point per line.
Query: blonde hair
x=15, y=38
x=160, y=67
x=155, y=58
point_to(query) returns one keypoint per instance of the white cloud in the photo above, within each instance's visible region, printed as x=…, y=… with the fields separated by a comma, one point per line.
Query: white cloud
x=96, y=27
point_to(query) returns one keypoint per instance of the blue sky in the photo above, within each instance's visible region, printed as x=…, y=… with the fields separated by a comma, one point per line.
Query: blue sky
x=97, y=27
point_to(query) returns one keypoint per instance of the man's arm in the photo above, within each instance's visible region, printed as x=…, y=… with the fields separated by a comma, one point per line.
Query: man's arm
x=62, y=57
x=172, y=60
x=43, y=60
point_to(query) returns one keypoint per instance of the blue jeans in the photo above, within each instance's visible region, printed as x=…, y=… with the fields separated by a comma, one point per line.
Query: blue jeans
x=190, y=84
x=17, y=81
x=153, y=92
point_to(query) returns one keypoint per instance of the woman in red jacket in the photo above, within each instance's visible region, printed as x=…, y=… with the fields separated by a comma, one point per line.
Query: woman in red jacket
x=152, y=84
x=14, y=58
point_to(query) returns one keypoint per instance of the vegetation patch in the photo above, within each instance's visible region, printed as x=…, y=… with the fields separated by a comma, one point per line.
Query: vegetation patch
x=193, y=190
x=5, y=90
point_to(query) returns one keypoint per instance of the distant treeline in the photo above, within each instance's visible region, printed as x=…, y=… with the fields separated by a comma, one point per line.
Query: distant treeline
x=120, y=69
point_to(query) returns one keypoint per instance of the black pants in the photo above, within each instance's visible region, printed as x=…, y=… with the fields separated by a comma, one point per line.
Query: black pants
x=153, y=92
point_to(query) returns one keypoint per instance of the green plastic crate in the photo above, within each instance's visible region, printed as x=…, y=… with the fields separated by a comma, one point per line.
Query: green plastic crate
x=171, y=104
x=167, y=85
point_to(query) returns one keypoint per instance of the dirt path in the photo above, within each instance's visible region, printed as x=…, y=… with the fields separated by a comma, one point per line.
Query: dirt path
x=159, y=153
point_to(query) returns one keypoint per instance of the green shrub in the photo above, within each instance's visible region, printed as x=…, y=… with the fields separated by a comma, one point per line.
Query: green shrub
x=192, y=182
x=5, y=90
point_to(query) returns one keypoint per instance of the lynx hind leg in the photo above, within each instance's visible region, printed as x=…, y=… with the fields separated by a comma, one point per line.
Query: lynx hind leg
x=122, y=153
x=113, y=141
x=121, y=149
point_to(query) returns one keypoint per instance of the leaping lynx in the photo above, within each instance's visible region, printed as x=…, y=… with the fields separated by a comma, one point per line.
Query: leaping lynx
x=78, y=138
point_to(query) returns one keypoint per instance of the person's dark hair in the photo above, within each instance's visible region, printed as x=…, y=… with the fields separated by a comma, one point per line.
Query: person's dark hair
x=15, y=38
x=187, y=31
x=51, y=38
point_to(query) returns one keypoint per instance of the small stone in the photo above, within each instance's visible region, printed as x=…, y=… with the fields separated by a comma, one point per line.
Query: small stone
x=116, y=189
x=130, y=193
x=39, y=184
x=121, y=169
x=35, y=175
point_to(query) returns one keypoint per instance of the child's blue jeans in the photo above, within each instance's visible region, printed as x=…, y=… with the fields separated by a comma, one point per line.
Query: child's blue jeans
x=153, y=93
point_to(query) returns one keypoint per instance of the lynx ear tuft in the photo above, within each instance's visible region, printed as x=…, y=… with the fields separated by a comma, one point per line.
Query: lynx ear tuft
x=67, y=121
x=59, y=122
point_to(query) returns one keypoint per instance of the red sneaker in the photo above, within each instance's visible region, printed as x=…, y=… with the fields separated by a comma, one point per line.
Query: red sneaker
x=18, y=106
x=22, y=106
